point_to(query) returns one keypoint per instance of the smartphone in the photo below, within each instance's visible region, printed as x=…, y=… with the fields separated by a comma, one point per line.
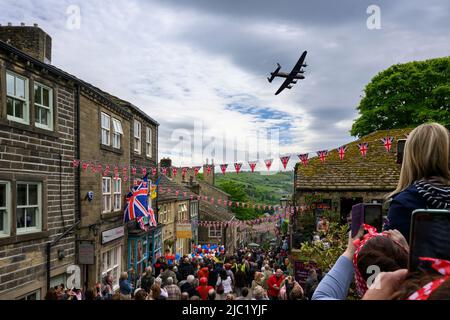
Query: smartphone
x=400, y=150
x=368, y=213
x=429, y=237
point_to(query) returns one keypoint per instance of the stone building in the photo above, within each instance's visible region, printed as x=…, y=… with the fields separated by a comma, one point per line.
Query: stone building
x=48, y=119
x=38, y=109
x=339, y=184
x=174, y=214
x=143, y=246
x=230, y=236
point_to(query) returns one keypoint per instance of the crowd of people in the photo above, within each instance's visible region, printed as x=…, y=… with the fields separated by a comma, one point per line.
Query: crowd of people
x=250, y=274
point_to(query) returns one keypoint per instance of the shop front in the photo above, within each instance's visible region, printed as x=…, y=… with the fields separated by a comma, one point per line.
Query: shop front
x=144, y=247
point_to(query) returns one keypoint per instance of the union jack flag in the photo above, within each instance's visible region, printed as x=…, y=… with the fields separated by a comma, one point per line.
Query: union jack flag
x=223, y=167
x=237, y=167
x=137, y=202
x=268, y=163
x=304, y=159
x=387, y=142
x=363, y=148
x=284, y=161
x=252, y=165
x=322, y=155
x=341, y=152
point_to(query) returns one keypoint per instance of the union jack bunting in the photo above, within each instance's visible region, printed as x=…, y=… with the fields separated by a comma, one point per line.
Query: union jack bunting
x=387, y=142
x=196, y=170
x=106, y=172
x=84, y=165
x=341, y=152
x=304, y=159
x=116, y=172
x=208, y=169
x=268, y=163
x=237, y=167
x=137, y=204
x=99, y=168
x=164, y=170
x=322, y=155
x=75, y=163
x=363, y=148
x=184, y=171
x=174, y=171
x=144, y=171
x=223, y=167
x=252, y=165
x=284, y=161
x=133, y=171
x=154, y=171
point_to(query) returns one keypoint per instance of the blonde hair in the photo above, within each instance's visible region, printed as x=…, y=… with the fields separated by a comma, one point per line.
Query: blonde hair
x=426, y=156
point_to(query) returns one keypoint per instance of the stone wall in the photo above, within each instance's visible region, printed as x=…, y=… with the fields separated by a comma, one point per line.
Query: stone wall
x=28, y=153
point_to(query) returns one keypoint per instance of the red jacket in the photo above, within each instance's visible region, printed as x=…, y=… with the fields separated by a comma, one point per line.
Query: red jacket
x=271, y=291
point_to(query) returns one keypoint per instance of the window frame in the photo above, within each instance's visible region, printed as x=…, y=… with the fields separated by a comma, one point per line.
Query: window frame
x=117, y=133
x=137, y=136
x=106, y=194
x=110, y=268
x=26, y=100
x=149, y=141
x=102, y=129
x=116, y=193
x=6, y=232
x=50, y=108
x=39, y=215
x=217, y=229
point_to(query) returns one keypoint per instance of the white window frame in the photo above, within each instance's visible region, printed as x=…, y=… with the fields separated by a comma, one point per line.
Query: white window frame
x=117, y=194
x=137, y=128
x=216, y=231
x=7, y=208
x=38, y=206
x=26, y=109
x=106, y=194
x=117, y=133
x=105, y=129
x=110, y=268
x=148, y=142
x=25, y=296
x=49, y=108
x=180, y=246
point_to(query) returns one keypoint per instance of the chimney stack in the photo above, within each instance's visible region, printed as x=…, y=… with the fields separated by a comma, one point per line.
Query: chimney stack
x=31, y=40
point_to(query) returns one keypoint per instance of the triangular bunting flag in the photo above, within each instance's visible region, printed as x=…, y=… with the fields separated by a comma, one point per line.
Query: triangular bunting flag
x=284, y=161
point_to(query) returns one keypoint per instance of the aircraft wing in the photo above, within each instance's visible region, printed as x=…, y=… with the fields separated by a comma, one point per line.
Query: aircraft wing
x=299, y=64
x=286, y=82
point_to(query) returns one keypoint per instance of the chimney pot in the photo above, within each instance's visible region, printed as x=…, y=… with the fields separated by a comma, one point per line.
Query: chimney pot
x=9, y=24
x=36, y=25
x=22, y=24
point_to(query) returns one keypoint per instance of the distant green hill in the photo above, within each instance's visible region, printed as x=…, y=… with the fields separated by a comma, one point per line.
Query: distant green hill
x=267, y=189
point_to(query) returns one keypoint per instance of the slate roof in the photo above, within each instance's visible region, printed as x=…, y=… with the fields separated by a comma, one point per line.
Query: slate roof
x=165, y=183
x=378, y=170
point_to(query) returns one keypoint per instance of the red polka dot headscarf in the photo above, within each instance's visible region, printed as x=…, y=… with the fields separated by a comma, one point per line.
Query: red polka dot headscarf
x=361, y=284
x=441, y=266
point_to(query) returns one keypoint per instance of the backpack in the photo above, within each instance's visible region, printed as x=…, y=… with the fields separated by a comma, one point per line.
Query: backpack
x=220, y=289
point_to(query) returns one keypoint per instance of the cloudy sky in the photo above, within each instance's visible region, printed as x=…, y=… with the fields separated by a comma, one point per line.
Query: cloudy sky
x=199, y=67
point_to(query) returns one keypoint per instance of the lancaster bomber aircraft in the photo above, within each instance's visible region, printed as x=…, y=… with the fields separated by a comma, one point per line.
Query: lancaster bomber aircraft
x=292, y=77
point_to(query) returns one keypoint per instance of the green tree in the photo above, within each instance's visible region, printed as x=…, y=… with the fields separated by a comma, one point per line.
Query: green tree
x=406, y=95
x=237, y=192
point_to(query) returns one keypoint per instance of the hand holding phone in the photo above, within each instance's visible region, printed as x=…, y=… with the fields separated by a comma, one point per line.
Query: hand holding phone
x=429, y=236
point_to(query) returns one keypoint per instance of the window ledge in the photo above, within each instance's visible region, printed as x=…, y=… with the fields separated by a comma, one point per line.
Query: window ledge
x=112, y=214
x=29, y=128
x=24, y=237
x=111, y=149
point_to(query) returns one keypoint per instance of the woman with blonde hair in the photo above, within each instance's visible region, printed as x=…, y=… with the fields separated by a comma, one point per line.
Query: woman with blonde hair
x=424, y=178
